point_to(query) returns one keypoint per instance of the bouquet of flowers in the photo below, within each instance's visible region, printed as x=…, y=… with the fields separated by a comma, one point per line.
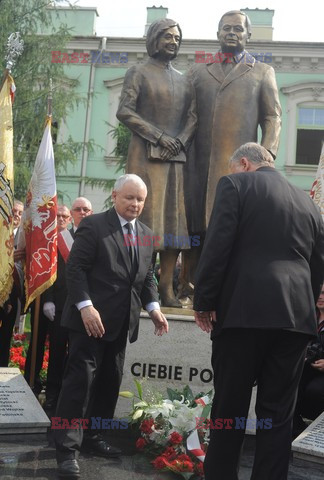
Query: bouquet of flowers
x=18, y=354
x=172, y=431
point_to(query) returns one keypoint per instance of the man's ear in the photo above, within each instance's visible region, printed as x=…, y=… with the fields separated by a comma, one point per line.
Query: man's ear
x=245, y=164
x=113, y=196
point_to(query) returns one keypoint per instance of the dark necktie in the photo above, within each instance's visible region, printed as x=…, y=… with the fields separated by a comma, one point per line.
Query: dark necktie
x=132, y=248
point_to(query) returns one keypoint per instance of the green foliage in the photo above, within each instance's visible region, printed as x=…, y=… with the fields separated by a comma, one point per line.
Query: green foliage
x=32, y=75
x=122, y=135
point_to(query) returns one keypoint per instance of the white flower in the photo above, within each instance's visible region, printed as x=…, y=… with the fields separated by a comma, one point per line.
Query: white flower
x=165, y=409
x=183, y=419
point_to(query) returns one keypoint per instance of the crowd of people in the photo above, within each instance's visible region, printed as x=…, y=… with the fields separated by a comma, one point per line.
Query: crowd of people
x=259, y=266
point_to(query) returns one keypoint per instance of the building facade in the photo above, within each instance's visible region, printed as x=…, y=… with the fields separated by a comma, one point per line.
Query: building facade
x=99, y=65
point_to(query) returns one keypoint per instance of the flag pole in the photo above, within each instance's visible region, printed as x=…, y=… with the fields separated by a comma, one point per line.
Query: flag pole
x=4, y=78
x=15, y=48
x=37, y=299
x=34, y=343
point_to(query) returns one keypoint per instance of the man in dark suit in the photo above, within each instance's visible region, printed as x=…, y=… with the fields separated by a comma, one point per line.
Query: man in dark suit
x=11, y=308
x=81, y=208
x=108, y=283
x=257, y=282
x=54, y=298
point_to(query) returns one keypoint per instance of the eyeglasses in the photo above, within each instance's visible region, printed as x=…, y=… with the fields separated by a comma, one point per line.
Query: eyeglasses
x=63, y=216
x=79, y=209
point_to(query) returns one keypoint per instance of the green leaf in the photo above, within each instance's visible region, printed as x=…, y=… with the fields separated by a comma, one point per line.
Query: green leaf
x=139, y=389
x=206, y=411
x=187, y=393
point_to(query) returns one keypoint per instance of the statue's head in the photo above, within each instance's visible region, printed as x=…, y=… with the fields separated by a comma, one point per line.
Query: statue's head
x=163, y=39
x=234, y=31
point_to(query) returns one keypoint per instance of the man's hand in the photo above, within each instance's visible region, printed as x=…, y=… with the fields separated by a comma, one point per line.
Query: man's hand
x=205, y=320
x=49, y=310
x=92, y=321
x=319, y=365
x=160, y=322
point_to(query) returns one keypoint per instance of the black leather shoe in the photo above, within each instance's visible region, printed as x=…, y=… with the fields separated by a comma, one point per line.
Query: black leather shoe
x=68, y=469
x=98, y=446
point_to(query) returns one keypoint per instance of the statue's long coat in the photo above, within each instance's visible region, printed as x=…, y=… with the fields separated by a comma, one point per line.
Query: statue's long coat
x=229, y=111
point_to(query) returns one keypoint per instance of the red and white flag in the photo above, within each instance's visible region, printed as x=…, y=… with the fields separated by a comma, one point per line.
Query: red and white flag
x=39, y=234
x=194, y=447
x=317, y=190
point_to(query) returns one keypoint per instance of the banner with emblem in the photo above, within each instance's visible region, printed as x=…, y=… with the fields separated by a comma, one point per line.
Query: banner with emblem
x=39, y=235
x=6, y=190
x=317, y=190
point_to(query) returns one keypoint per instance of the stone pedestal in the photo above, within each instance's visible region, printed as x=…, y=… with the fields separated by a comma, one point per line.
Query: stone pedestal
x=180, y=358
x=310, y=443
x=20, y=412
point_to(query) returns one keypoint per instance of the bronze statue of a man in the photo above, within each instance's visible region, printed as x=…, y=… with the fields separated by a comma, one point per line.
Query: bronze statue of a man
x=235, y=94
x=158, y=105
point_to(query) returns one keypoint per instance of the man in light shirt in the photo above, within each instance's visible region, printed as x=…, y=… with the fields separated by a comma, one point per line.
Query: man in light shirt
x=108, y=282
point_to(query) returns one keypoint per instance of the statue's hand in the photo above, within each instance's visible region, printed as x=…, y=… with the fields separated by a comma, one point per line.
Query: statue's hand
x=172, y=144
x=166, y=154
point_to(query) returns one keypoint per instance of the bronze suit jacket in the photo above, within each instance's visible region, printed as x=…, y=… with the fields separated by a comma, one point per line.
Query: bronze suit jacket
x=229, y=111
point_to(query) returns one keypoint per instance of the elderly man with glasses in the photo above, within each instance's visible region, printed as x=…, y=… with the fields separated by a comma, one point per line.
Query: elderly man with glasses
x=54, y=299
x=81, y=208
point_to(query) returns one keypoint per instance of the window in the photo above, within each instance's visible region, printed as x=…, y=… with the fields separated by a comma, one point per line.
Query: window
x=310, y=135
x=304, y=127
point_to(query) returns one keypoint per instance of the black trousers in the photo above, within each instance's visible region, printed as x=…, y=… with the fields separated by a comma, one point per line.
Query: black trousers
x=7, y=321
x=90, y=386
x=40, y=346
x=275, y=359
x=58, y=339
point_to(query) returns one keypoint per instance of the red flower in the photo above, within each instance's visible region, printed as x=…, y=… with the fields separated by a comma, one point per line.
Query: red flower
x=175, y=438
x=159, y=463
x=199, y=469
x=22, y=362
x=140, y=443
x=170, y=453
x=146, y=426
x=183, y=466
x=20, y=338
x=183, y=458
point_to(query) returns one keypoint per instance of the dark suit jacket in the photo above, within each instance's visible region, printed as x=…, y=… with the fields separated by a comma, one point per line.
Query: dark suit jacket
x=99, y=269
x=262, y=264
x=57, y=292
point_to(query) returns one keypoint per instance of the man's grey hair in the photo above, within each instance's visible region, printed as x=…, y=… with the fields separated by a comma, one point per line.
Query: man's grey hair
x=254, y=152
x=128, y=177
x=83, y=199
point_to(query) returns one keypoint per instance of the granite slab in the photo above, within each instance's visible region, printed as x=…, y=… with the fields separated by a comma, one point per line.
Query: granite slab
x=20, y=411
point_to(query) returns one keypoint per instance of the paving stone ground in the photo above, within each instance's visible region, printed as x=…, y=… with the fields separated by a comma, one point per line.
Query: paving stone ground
x=32, y=456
